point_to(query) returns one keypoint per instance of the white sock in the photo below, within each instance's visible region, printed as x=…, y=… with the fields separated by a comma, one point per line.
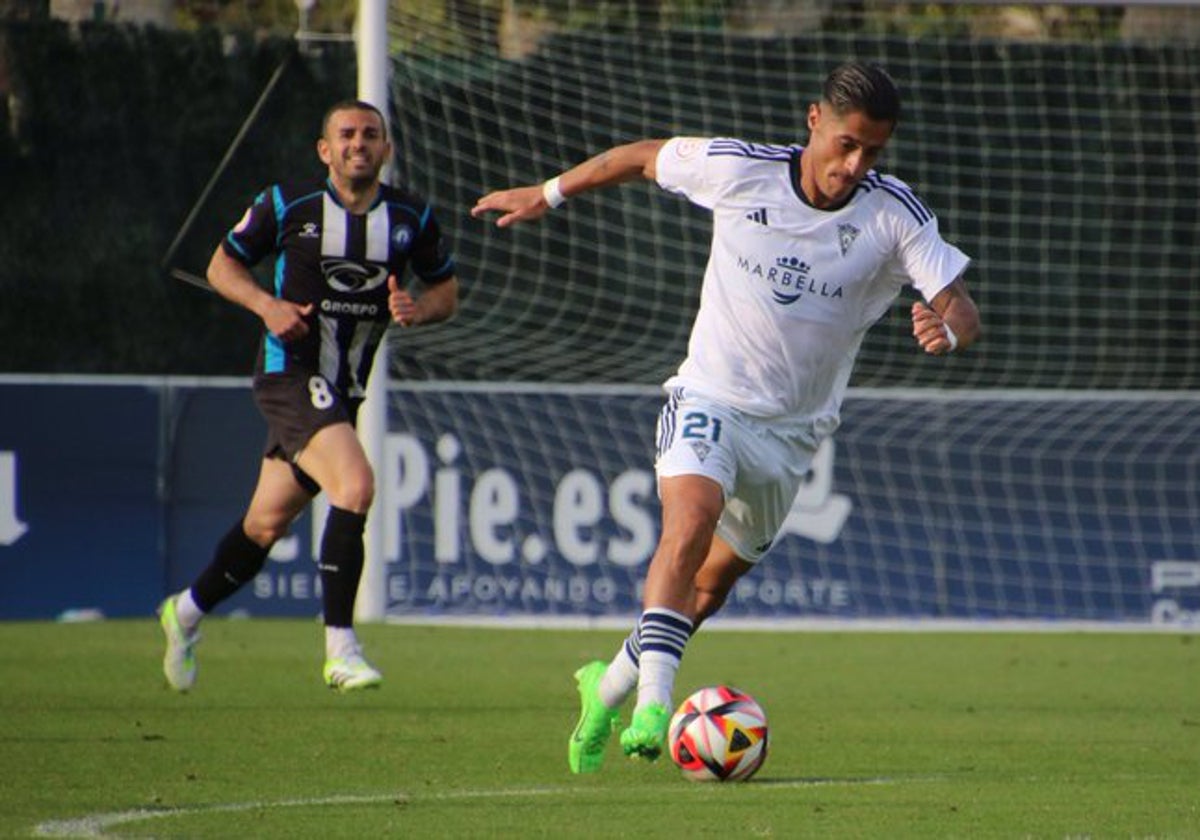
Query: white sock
x=619, y=680
x=187, y=611
x=340, y=642
x=656, y=678
x=662, y=636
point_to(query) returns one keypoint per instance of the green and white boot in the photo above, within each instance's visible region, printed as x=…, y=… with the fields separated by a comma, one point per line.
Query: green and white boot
x=179, y=661
x=585, y=750
x=351, y=673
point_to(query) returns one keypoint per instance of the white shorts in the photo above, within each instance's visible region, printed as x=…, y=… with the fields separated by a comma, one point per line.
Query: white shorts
x=760, y=465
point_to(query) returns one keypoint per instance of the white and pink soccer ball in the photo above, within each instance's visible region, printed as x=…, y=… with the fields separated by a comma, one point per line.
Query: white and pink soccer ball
x=718, y=734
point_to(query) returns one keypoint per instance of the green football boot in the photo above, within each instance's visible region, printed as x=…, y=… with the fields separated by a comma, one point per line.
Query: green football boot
x=646, y=736
x=585, y=750
x=179, y=661
x=351, y=673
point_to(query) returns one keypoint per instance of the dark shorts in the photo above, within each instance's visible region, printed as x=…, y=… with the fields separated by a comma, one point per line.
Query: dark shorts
x=297, y=405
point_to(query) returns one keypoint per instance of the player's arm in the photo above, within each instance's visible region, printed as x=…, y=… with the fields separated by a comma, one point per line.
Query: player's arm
x=438, y=302
x=950, y=321
x=618, y=165
x=234, y=282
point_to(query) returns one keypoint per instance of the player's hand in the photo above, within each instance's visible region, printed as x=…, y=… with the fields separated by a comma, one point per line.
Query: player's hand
x=286, y=319
x=522, y=204
x=401, y=303
x=929, y=330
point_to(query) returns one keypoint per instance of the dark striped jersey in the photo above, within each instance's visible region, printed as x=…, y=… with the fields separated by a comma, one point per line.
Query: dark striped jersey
x=339, y=262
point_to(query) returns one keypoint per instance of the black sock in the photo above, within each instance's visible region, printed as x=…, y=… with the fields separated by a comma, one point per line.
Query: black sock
x=341, y=565
x=235, y=563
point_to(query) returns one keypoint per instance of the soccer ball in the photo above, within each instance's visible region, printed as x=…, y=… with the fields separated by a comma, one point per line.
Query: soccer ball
x=719, y=734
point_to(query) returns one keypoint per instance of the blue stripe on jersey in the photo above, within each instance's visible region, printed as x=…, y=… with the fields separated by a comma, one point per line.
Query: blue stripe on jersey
x=758, y=151
x=422, y=217
x=282, y=209
x=273, y=355
x=279, y=275
x=905, y=196
x=233, y=243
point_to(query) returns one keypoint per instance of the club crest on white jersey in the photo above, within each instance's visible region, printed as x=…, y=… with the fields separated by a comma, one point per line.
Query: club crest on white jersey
x=790, y=290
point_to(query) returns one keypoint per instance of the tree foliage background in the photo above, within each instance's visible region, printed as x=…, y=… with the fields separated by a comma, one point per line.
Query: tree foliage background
x=114, y=131
x=117, y=132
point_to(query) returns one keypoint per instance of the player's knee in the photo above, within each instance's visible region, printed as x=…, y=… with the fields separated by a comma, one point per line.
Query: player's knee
x=688, y=533
x=679, y=561
x=684, y=558
x=265, y=531
x=355, y=491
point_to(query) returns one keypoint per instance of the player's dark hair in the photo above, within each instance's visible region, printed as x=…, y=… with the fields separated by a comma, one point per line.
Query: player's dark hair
x=351, y=105
x=867, y=88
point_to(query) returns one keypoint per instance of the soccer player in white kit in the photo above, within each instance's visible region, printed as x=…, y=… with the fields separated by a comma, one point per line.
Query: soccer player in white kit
x=810, y=247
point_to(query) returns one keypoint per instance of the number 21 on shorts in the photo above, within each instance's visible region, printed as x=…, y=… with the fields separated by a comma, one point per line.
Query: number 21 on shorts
x=698, y=425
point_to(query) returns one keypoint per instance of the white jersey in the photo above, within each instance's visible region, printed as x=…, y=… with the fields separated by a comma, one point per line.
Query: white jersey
x=790, y=290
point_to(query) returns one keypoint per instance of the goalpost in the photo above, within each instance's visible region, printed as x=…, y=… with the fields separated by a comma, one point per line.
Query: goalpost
x=1047, y=473
x=373, y=77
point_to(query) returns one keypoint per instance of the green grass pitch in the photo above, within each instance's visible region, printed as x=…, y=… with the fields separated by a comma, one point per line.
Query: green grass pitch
x=872, y=735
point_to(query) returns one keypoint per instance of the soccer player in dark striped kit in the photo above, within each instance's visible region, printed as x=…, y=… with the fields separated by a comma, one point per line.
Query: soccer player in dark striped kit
x=340, y=246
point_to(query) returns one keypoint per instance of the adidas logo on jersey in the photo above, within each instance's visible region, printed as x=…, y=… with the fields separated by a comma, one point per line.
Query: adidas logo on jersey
x=759, y=216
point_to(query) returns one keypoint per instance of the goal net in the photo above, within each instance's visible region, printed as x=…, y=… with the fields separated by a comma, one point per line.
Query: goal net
x=1064, y=166
x=1058, y=147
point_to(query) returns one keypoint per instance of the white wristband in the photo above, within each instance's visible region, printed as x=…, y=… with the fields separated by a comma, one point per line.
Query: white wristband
x=552, y=193
x=950, y=336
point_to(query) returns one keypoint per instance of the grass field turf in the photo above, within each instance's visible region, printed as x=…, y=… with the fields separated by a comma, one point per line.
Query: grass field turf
x=872, y=735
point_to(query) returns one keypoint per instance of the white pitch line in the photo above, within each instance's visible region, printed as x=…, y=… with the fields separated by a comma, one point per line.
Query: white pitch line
x=95, y=825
